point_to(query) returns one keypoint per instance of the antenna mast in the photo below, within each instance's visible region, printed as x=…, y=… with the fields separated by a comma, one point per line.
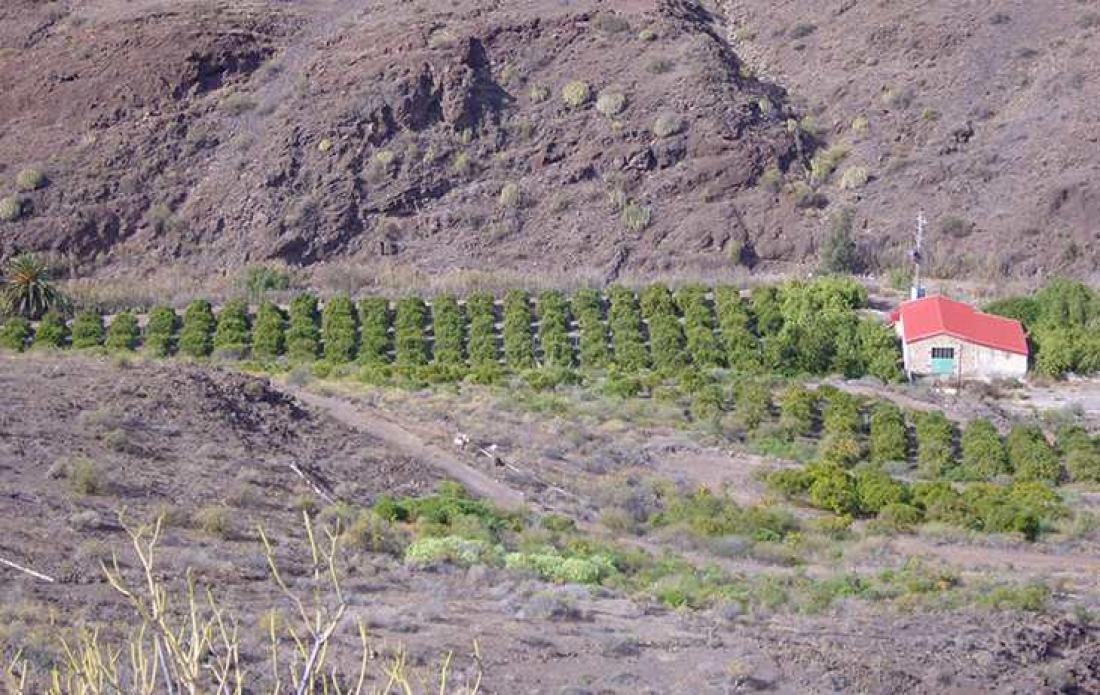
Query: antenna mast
x=917, y=291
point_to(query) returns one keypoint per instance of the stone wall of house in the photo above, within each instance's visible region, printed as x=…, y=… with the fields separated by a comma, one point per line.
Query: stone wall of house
x=972, y=361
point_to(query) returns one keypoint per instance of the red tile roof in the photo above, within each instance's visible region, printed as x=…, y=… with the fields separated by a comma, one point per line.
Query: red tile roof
x=932, y=316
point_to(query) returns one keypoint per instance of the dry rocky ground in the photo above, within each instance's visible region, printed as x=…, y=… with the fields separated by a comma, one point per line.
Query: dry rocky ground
x=176, y=439
x=370, y=140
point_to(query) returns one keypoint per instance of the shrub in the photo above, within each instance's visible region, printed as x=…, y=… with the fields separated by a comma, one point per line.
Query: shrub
x=519, y=351
x=889, y=440
x=27, y=288
x=482, y=347
x=702, y=343
x=898, y=516
x=123, y=333
x=825, y=162
x=214, y=520
x=374, y=320
x=610, y=103
x=667, y=125
x=563, y=570
x=710, y=515
x=840, y=448
x=935, y=444
x=625, y=321
x=269, y=332
x=854, y=178
x=258, y=280
x=340, y=329
x=797, y=411
x=303, y=337
x=839, y=253
x=576, y=93
x=84, y=477
x=538, y=93
x=635, y=217
x=410, y=345
x=160, y=331
x=791, y=482
x=834, y=488
x=557, y=347
x=742, y=348
x=454, y=550
x=29, y=180
x=666, y=335
x=196, y=334
x=11, y=208
x=52, y=331
x=15, y=334
x=233, y=333
x=983, y=452
x=593, y=342
x=1031, y=456
x=510, y=195
x=880, y=353
x=448, y=327
x=709, y=403
x=1082, y=458
x=842, y=414
x=754, y=404
x=878, y=489
x=88, y=330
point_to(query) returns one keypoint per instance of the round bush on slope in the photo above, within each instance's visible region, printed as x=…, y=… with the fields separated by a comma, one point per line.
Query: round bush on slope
x=983, y=452
x=124, y=333
x=88, y=330
x=935, y=444
x=889, y=439
x=269, y=332
x=160, y=331
x=197, y=332
x=15, y=334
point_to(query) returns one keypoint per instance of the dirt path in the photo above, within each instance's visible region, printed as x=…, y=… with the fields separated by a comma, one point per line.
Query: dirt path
x=373, y=422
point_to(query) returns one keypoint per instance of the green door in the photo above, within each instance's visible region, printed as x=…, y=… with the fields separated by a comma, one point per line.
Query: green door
x=943, y=360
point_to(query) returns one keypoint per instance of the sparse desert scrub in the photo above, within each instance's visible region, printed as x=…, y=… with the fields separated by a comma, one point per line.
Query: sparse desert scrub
x=576, y=93
x=635, y=216
x=667, y=125
x=30, y=179
x=610, y=103
x=11, y=208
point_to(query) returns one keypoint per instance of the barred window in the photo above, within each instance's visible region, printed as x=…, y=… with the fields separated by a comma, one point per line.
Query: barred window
x=943, y=353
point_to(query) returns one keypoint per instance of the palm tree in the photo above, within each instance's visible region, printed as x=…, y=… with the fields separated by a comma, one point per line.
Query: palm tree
x=27, y=289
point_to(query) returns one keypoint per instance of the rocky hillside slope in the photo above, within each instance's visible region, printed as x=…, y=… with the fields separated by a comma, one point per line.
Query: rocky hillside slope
x=207, y=134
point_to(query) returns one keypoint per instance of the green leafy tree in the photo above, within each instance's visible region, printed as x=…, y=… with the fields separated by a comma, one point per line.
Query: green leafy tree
x=27, y=289
x=877, y=489
x=482, y=346
x=52, y=331
x=15, y=334
x=625, y=320
x=196, y=335
x=699, y=325
x=88, y=330
x=1031, y=456
x=160, y=331
x=798, y=411
x=666, y=335
x=557, y=347
x=269, y=332
x=519, y=348
x=233, y=333
x=834, y=488
x=983, y=452
x=935, y=444
x=374, y=319
x=124, y=333
x=1082, y=458
x=753, y=403
x=879, y=350
x=839, y=253
x=410, y=342
x=740, y=344
x=593, y=342
x=449, y=329
x=303, y=335
x=340, y=329
x=889, y=440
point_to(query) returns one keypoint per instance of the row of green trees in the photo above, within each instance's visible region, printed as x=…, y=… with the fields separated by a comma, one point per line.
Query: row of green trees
x=794, y=328
x=850, y=432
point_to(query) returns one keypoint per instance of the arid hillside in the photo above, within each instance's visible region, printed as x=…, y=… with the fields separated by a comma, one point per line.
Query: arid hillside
x=583, y=138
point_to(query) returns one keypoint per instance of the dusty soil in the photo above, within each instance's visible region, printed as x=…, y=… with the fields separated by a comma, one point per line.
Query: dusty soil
x=368, y=139
x=194, y=437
